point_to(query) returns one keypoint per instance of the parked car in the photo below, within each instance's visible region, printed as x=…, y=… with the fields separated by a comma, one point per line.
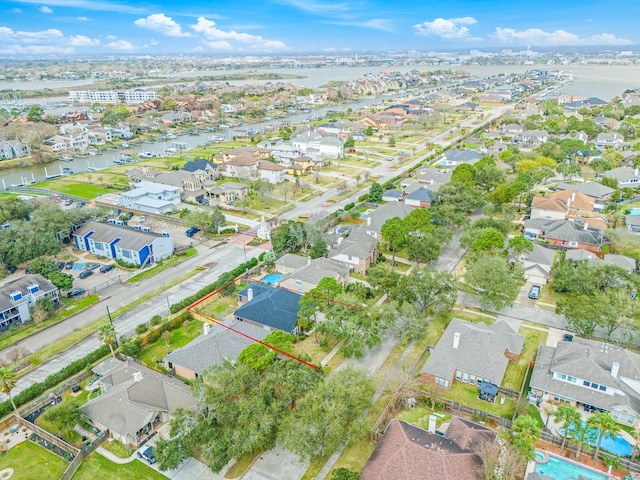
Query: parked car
x=69, y=265
x=534, y=293
x=91, y=266
x=60, y=265
x=529, y=235
x=11, y=269
x=192, y=231
x=147, y=453
x=68, y=201
x=76, y=292
x=106, y=268
x=85, y=274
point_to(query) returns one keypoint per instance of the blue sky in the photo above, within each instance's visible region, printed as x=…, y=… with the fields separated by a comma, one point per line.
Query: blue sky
x=282, y=27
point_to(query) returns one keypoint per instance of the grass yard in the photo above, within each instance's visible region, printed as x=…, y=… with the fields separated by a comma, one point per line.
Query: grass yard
x=117, y=448
x=419, y=416
x=97, y=467
x=314, y=350
x=468, y=395
x=514, y=375
x=70, y=436
x=179, y=338
x=30, y=461
x=437, y=327
x=163, y=265
x=220, y=306
x=88, y=191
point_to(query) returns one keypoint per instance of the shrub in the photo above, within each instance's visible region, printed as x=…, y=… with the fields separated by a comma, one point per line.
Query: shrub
x=141, y=328
x=349, y=206
x=156, y=320
x=130, y=346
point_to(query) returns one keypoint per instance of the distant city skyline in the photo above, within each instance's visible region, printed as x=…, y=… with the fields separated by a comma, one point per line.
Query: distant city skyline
x=282, y=27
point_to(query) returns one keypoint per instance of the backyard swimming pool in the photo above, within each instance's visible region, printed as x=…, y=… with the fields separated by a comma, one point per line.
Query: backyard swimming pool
x=560, y=469
x=272, y=278
x=619, y=445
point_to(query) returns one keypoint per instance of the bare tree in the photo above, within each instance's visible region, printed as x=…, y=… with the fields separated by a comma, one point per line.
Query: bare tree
x=511, y=463
x=17, y=353
x=489, y=453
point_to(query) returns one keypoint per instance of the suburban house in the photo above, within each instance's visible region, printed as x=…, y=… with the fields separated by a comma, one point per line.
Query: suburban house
x=393, y=195
x=19, y=297
x=537, y=264
x=590, y=189
x=420, y=197
x=455, y=157
x=308, y=275
x=135, y=400
x=227, y=193
x=13, y=149
x=613, y=140
x=150, y=197
x=269, y=307
x=176, y=118
x=242, y=166
x=592, y=375
x=626, y=263
x=202, y=168
x=562, y=204
x=434, y=178
x=216, y=345
x=377, y=218
x=625, y=176
x=565, y=234
x=358, y=251
x=472, y=353
x=531, y=138
x=311, y=140
x=406, y=452
x=130, y=245
x=271, y=172
x=632, y=223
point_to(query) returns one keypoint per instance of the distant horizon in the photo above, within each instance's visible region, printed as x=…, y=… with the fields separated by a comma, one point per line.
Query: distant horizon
x=295, y=27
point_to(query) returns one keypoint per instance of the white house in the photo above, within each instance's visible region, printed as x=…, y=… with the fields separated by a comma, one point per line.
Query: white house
x=150, y=197
x=18, y=297
x=272, y=172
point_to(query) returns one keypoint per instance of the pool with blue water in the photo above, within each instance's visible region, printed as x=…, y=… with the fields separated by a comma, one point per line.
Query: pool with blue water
x=561, y=469
x=617, y=445
x=272, y=278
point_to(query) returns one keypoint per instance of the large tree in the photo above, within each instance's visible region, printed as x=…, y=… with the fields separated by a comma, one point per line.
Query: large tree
x=606, y=426
x=569, y=417
x=395, y=232
x=525, y=431
x=107, y=335
x=426, y=289
x=494, y=279
x=326, y=417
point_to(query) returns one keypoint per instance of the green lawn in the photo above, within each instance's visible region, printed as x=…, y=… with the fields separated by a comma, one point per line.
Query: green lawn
x=468, y=395
x=419, y=416
x=30, y=461
x=83, y=190
x=97, y=467
x=179, y=338
x=117, y=448
x=514, y=375
x=163, y=265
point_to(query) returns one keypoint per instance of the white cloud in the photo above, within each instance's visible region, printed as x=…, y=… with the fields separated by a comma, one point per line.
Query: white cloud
x=374, y=23
x=48, y=36
x=220, y=39
x=83, y=19
x=15, y=10
x=537, y=36
x=121, y=45
x=111, y=37
x=45, y=9
x=447, y=28
x=82, y=41
x=159, y=22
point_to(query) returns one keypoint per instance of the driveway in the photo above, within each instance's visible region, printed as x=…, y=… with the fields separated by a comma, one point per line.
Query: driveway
x=276, y=464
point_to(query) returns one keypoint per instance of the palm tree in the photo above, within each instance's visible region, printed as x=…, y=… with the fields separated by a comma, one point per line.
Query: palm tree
x=526, y=431
x=569, y=417
x=606, y=425
x=107, y=335
x=7, y=383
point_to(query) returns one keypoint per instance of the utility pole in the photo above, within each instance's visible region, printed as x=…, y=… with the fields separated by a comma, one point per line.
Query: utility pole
x=112, y=325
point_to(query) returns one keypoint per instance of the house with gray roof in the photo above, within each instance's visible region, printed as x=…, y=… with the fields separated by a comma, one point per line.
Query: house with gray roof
x=377, y=217
x=537, y=264
x=358, y=251
x=269, y=307
x=625, y=176
x=590, y=189
x=565, y=234
x=392, y=195
x=434, y=178
x=455, y=157
x=130, y=245
x=591, y=375
x=308, y=275
x=216, y=345
x=613, y=140
x=135, y=401
x=290, y=262
x=150, y=197
x=420, y=197
x=633, y=223
x=18, y=297
x=472, y=353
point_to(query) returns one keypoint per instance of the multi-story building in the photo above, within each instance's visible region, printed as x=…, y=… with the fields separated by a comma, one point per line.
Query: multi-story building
x=19, y=297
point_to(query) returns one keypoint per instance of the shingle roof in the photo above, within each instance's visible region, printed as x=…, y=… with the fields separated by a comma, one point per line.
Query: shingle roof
x=218, y=345
x=591, y=189
x=319, y=269
x=541, y=255
x=199, y=164
x=291, y=260
x=385, y=212
x=481, y=350
x=422, y=194
x=406, y=452
x=456, y=155
x=271, y=306
x=20, y=285
x=130, y=239
x=128, y=405
x=359, y=244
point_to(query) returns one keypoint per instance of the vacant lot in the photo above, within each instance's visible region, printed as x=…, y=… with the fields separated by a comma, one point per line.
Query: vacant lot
x=30, y=461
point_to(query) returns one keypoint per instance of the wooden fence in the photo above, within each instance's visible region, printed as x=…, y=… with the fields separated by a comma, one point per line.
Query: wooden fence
x=84, y=453
x=50, y=437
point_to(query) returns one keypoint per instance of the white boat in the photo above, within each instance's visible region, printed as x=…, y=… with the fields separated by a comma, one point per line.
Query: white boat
x=145, y=155
x=170, y=150
x=93, y=152
x=124, y=145
x=66, y=158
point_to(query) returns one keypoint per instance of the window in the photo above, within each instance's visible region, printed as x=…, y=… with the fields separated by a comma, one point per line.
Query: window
x=594, y=385
x=126, y=253
x=458, y=375
x=479, y=380
x=585, y=383
x=465, y=377
x=472, y=379
x=562, y=376
x=571, y=379
x=603, y=388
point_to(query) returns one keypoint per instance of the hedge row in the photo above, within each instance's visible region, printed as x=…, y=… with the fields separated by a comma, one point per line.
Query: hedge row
x=154, y=334
x=34, y=391
x=223, y=279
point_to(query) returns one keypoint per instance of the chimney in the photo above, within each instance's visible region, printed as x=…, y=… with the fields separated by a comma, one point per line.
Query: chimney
x=137, y=376
x=249, y=294
x=369, y=220
x=615, y=367
x=308, y=260
x=207, y=328
x=432, y=424
x=636, y=171
x=586, y=226
x=573, y=197
x=456, y=339
x=568, y=203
